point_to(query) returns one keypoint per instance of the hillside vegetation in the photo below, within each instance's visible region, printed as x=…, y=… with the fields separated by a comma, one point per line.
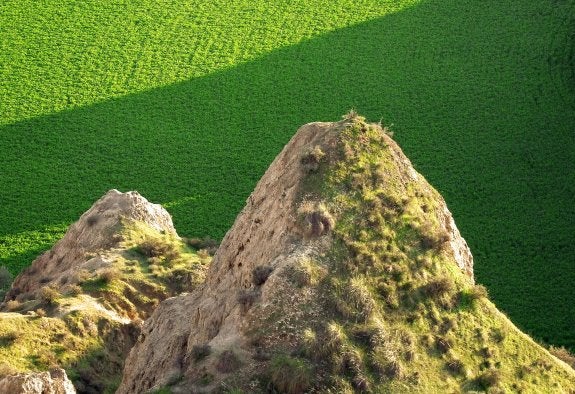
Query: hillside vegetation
x=344, y=273
x=189, y=102
x=88, y=322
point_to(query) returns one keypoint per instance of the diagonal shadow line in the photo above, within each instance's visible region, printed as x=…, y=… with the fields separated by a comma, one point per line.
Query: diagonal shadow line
x=462, y=82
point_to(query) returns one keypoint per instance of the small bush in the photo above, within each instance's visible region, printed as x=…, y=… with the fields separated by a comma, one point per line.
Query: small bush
x=389, y=294
x=488, y=352
x=82, y=276
x=204, y=254
x=73, y=290
x=447, y=324
x=210, y=245
x=13, y=305
x=247, y=297
x=386, y=363
x=92, y=220
x=353, y=300
x=455, y=367
x=468, y=297
x=443, y=344
x=361, y=383
x=157, y=247
x=478, y=292
x=393, y=370
x=227, y=362
x=199, y=352
x=370, y=335
x=312, y=159
x=563, y=354
x=40, y=312
x=290, y=375
x=352, y=115
x=498, y=334
x=8, y=339
x=438, y=287
x=49, y=295
x=489, y=378
x=352, y=362
x=260, y=274
x=433, y=238
x=307, y=272
x=110, y=274
x=315, y=219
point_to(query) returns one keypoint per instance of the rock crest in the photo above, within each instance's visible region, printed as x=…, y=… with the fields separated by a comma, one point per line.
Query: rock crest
x=265, y=233
x=96, y=230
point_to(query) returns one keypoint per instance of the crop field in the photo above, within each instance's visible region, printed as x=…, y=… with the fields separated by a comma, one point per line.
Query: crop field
x=189, y=102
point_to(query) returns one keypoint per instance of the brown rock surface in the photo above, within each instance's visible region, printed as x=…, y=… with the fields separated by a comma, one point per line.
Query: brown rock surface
x=96, y=230
x=53, y=382
x=266, y=233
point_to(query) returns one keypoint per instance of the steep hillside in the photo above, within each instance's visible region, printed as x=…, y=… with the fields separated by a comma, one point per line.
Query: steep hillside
x=79, y=306
x=344, y=272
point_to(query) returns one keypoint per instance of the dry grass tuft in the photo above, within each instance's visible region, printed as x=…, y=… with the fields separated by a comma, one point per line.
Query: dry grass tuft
x=315, y=219
x=353, y=299
x=455, y=367
x=290, y=375
x=563, y=354
x=489, y=378
x=260, y=274
x=159, y=248
x=48, y=295
x=247, y=297
x=312, y=158
x=438, y=287
x=227, y=362
x=307, y=272
x=199, y=352
x=13, y=305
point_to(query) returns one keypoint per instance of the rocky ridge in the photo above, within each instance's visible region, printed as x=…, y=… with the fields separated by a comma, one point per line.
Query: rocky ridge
x=98, y=230
x=344, y=272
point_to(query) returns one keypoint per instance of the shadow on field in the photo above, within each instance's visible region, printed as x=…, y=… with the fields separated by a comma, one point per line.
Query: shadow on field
x=480, y=95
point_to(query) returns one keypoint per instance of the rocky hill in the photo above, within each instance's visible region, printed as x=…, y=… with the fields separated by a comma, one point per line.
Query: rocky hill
x=80, y=305
x=343, y=273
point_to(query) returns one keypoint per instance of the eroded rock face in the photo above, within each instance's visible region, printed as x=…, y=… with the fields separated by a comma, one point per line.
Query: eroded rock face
x=266, y=233
x=96, y=230
x=53, y=382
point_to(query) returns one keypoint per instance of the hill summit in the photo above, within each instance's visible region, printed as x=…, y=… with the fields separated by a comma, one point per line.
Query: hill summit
x=344, y=272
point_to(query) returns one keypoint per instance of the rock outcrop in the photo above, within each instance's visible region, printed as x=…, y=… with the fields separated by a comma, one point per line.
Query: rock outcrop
x=341, y=259
x=97, y=230
x=80, y=304
x=53, y=382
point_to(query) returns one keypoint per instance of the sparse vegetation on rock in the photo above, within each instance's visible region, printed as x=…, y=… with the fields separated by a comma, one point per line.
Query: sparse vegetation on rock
x=374, y=290
x=86, y=314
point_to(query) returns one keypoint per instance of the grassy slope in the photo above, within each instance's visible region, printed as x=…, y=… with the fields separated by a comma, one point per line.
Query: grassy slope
x=76, y=334
x=386, y=309
x=481, y=96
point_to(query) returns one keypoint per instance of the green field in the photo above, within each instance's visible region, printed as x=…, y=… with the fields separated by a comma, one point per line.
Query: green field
x=189, y=102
